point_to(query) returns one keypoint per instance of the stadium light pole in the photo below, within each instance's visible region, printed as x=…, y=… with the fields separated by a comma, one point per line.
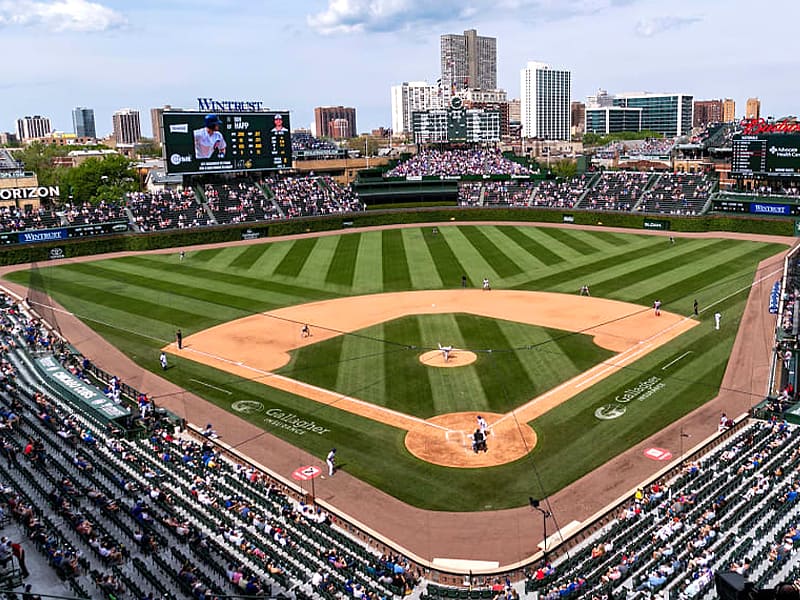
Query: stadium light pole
x=545, y=514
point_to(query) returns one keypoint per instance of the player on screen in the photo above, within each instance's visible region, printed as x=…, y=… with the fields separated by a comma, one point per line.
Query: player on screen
x=279, y=128
x=208, y=139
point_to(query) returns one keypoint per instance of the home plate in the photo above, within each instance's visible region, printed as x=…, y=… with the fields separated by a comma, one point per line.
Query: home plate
x=658, y=454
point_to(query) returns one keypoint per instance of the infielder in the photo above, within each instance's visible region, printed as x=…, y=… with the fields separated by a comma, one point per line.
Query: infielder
x=305, y=331
x=657, y=307
x=446, y=350
x=585, y=290
x=486, y=284
x=331, y=461
x=717, y=317
x=163, y=359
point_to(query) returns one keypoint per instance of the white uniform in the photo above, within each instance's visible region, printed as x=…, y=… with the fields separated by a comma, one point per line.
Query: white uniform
x=446, y=350
x=163, y=360
x=330, y=460
x=482, y=425
x=717, y=317
x=205, y=143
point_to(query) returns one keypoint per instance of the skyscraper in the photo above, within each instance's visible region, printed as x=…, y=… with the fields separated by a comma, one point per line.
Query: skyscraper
x=753, y=108
x=707, y=111
x=668, y=114
x=468, y=61
x=127, y=128
x=324, y=116
x=83, y=122
x=408, y=97
x=156, y=114
x=29, y=128
x=545, y=102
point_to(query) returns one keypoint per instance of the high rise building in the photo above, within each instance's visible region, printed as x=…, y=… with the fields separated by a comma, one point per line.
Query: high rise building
x=468, y=61
x=325, y=116
x=408, y=97
x=29, y=128
x=577, y=118
x=545, y=102
x=707, y=111
x=728, y=110
x=83, y=122
x=612, y=119
x=667, y=114
x=156, y=116
x=753, y=109
x=127, y=128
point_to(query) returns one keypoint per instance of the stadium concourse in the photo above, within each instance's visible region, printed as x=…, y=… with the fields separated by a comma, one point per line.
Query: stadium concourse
x=169, y=512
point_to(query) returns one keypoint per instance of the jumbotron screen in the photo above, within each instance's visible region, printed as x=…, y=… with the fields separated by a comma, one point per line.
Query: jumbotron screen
x=772, y=155
x=197, y=142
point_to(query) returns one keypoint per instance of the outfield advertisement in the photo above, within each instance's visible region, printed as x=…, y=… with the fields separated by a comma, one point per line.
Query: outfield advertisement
x=198, y=142
x=39, y=236
x=756, y=208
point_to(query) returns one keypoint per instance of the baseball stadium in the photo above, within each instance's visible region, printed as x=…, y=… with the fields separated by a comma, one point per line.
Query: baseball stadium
x=456, y=376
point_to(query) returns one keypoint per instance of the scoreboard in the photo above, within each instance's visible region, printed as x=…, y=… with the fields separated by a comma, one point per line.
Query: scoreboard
x=771, y=155
x=456, y=124
x=246, y=141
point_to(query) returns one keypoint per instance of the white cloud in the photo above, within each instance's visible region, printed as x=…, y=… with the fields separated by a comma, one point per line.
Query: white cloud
x=657, y=25
x=60, y=15
x=357, y=16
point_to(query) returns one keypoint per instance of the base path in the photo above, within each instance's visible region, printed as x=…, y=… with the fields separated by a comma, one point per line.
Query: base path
x=254, y=346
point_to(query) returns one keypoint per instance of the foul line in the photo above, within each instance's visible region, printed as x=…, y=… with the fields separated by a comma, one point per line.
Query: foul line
x=669, y=364
x=294, y=382
x=211, y=386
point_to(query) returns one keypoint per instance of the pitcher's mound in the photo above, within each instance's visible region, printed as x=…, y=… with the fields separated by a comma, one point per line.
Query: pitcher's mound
x=458, y=358
x=451, y=445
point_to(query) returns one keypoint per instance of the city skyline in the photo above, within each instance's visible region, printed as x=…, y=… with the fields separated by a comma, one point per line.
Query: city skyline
x=136, y=55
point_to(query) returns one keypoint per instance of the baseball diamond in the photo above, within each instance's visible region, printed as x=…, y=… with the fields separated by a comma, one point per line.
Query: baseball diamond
x=241, y=309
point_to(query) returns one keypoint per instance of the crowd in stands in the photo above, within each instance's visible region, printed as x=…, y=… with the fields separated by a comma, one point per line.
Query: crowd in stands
x=311, y=196
x=647, y=147
x=156, y=510
x=561, y=193
x=508, y=193
x=168, y=209
x=617, y=190
x=457, y=162
x=92, y=214
x=16, y=219
x=239, y=202
x=303, y=140
x=778, y=189
x=678, y=194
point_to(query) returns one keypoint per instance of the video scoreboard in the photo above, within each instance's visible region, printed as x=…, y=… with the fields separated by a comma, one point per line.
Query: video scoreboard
x=200, y=142
x=771, y=155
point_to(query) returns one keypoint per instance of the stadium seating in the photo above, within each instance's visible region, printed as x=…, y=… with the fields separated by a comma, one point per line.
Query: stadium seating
x=167, y=210
x=617, y=190
x=239, y=202
x=121, y=516
x=457, y=162
x=15, y=219
x=562, y=193
x=677, y=194
x=311, y=196
x=91, y=214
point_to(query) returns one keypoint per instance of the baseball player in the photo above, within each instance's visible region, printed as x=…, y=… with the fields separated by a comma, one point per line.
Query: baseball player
x=182, y=255
x=717, y=317
x=208, y=139
x=585, y=290
x=486, y=284
x=657, y=307
x=305, y=331
x=331, y=461
x=446, y=350
x=163, y=359
x=483, y=426
x=694, y=306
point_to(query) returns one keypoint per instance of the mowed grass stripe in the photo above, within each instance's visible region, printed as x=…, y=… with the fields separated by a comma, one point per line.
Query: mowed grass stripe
x=656, y=269
x=548, y=282
x=403, y=387
x=706, y=278
x=342, y=267
x=300, y=293
x=507, y=372
x=247, y=256
x=571, y=238
x=422, y=268
x=296, y=258
x=315, y=267
x=315, y=366
x=395, y=264
x=158, y=311
x=478, y=267
x=170, y=286
x=205, y=255
x=539, y=251
x=361, y=371
x=368, y=275
x=444, y=259
x=502, y=264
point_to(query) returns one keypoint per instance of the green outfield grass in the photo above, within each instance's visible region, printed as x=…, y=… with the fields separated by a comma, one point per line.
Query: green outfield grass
x=524, y=361
x=138, y=302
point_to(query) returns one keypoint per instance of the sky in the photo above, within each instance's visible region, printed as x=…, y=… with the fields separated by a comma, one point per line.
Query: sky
x=298, y=54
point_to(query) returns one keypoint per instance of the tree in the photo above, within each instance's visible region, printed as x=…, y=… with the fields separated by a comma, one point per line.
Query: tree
x=564, y=169
x=98, y=179
x=361, y=142
x=148, y=147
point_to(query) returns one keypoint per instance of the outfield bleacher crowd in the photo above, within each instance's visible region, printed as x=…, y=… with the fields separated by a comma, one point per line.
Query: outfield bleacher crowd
x=141, y=508
x=168, y=209
x=457, y=162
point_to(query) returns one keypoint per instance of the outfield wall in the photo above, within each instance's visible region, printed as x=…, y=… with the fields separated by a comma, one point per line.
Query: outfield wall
x=136, y=242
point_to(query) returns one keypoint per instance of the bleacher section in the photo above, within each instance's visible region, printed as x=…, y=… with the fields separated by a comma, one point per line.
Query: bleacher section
x=91, y=214
x=16, y=219
x=311, y=196
x=162, y=512
x=678, y=194
x=561, y=193
x=239, y=202
x=617, y=190
x=167, y=210
x=508, y=193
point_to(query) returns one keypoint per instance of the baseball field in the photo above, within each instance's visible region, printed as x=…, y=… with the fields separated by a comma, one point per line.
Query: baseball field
x=565, y=381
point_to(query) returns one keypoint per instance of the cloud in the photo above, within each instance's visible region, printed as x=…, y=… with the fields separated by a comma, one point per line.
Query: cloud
x=60, y=15
x=657, y=25
x=358, y=16
x=365, y=16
